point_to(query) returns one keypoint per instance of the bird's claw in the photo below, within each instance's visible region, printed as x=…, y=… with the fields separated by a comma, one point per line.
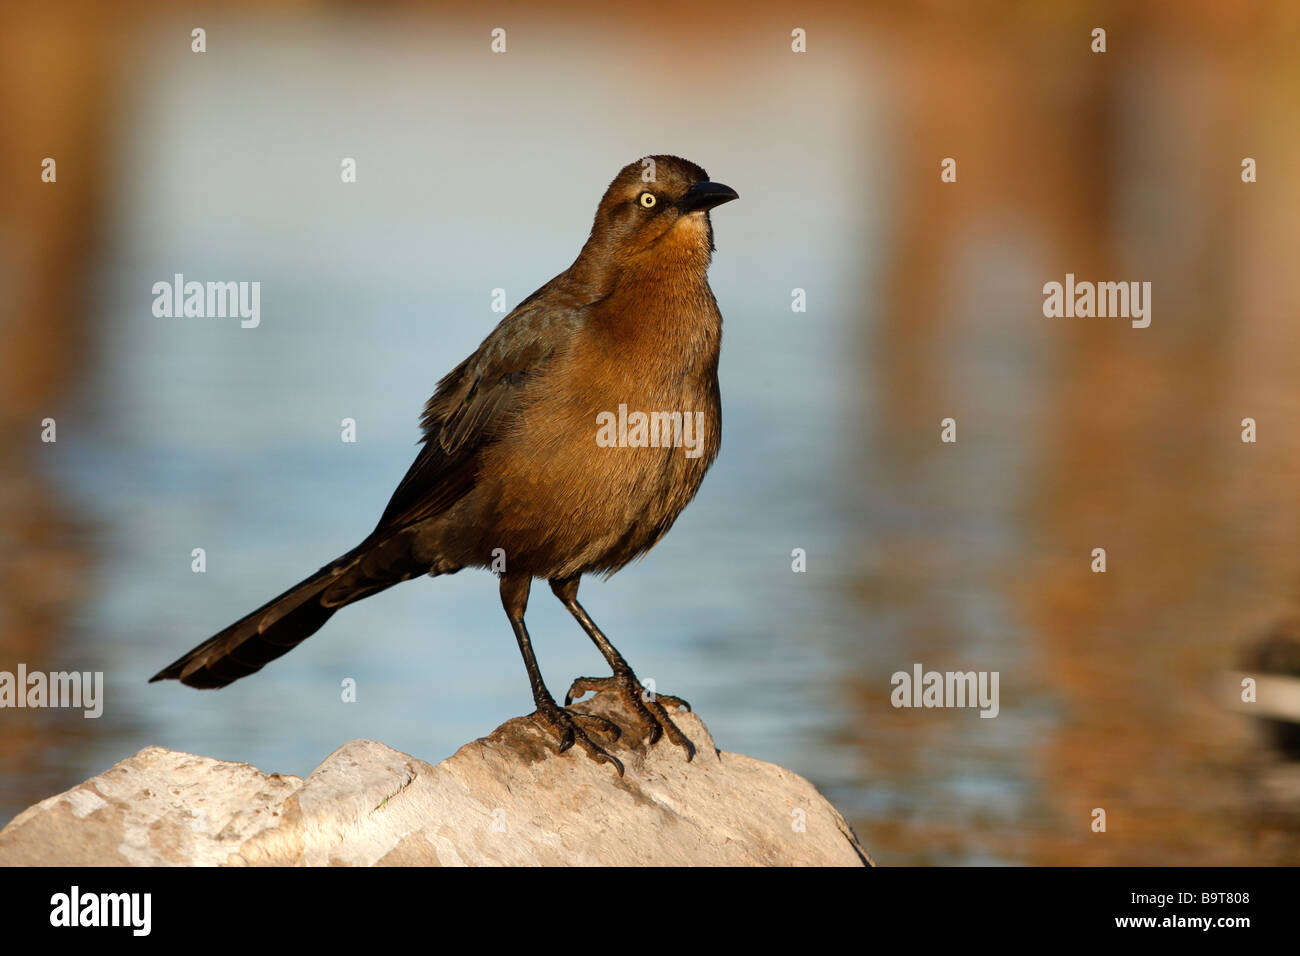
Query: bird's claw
x=565, y=724
x=648, y=706
x=668, y=700
x=609, y=726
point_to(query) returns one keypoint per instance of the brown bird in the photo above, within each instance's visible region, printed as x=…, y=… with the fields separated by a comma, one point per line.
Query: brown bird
x=567, y=444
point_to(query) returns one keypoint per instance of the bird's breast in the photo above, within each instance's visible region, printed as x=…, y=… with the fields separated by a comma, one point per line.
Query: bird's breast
x=612, y=443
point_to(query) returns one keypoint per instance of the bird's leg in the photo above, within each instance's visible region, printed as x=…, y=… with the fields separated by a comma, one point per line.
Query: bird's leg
x=649, y=706
x=514, y=598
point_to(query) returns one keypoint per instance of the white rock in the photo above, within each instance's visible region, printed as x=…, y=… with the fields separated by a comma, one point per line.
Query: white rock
x=506, y=799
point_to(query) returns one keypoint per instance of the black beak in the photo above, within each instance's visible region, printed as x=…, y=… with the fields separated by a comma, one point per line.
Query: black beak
x=705, y=195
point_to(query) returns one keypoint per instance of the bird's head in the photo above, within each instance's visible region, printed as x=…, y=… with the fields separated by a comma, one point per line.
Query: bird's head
x=655, y=214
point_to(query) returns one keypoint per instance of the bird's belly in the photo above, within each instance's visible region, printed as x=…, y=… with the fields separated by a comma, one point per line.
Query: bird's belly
x=595, y=481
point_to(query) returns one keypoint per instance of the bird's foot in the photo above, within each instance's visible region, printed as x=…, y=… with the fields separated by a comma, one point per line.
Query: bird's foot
x=565, y=724
x=649, y=706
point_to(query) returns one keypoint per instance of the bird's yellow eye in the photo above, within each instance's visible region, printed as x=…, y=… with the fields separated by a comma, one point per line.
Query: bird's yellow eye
x=648, y=199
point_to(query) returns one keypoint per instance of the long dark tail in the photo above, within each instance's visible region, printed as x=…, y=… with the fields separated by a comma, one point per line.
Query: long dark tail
x=284, y=622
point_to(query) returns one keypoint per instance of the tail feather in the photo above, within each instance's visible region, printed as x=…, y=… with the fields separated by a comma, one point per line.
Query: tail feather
x=284, y=622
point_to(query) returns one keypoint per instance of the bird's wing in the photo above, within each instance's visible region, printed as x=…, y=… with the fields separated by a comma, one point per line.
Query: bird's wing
x=471, y=406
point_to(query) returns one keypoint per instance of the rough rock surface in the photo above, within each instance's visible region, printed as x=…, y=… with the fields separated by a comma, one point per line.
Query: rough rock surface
x=508, y=799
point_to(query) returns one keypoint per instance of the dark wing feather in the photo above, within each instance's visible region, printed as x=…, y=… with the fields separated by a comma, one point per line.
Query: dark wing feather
x=470, y=407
